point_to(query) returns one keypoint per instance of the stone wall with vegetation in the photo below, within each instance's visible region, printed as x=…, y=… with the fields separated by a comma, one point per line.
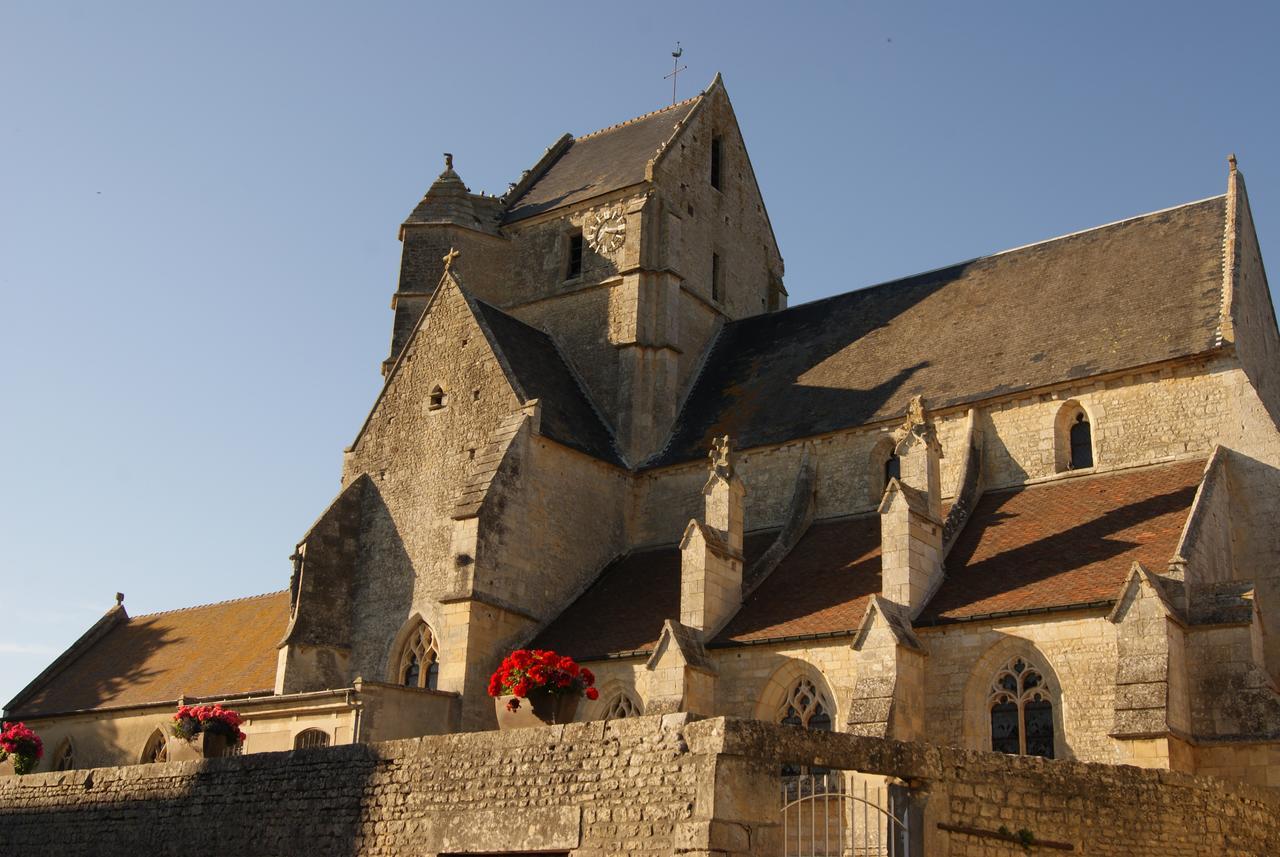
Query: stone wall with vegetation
x=650, y=785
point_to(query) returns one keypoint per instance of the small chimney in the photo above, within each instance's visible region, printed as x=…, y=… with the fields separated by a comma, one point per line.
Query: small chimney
x=911, y=516
x=711, y=550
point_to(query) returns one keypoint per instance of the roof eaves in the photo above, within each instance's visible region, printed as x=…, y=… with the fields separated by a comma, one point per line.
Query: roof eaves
x=109, y=620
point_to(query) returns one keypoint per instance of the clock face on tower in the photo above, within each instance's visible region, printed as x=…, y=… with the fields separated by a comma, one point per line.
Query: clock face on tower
x=606, y=231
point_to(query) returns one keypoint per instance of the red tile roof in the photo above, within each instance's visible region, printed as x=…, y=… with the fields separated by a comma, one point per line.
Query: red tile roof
x=1063, y=543
x=1067, y=542
x=214, y=650
x=822, y=586
x=624, y=609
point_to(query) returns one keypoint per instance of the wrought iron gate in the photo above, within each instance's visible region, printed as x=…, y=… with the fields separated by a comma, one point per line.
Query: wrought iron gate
x=836, y=814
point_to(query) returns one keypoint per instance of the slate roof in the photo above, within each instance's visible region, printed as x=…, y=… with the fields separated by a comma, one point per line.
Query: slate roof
x=539, y=369
x=214, y=650
x=1065, y=543
x=1071, y=541
x=598, y=163
x=1118, y=296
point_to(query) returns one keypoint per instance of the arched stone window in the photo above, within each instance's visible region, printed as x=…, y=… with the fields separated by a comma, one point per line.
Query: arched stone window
x=418, y=663
x=807, y=707
x=1021, y=710
x=65, y=758
x=437, y=399
x=156, y=749
x=311, y=738
x=1072, y=438
x=621, y=706
x=884, y=465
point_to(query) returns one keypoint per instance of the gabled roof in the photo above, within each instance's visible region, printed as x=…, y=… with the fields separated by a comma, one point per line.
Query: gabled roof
x=1061, y=544
x=1119, y=296
x=540, y=372
x=607, y=160
x=214, y=650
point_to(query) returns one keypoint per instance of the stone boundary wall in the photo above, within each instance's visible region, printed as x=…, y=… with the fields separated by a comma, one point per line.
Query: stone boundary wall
x=651, y=785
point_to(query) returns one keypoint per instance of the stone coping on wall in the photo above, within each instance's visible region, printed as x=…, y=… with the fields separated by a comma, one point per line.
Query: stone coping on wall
x=654, y=784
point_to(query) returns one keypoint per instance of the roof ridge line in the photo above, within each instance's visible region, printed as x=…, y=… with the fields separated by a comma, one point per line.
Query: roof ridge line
x=970, y=261
x=210, y=604
x=635, y=119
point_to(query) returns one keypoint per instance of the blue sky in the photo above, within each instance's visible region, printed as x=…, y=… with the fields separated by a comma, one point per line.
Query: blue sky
x=199, y=202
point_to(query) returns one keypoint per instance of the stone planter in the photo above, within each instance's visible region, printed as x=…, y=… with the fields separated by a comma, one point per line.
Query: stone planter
x=542, y=708
x=203, y=746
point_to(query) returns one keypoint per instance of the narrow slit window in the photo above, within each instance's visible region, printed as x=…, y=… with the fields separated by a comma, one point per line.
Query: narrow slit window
x=1081, y=443
x=717, y=274
x=574, y=268
x=717, y=156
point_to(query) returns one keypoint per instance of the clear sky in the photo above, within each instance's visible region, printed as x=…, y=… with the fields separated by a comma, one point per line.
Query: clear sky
x=199, y=202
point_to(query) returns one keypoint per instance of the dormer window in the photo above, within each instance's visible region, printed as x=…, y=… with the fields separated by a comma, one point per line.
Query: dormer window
x=717, y=156
x=574, y=266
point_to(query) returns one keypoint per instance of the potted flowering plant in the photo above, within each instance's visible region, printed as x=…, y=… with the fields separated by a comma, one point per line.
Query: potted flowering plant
x=533, y=687
x=24, y=746
x=207, y=731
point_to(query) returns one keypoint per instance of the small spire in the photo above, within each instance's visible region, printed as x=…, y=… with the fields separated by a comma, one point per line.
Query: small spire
x=119, y=599
x=1231, y=162
x=448, y=160
x=449, y=257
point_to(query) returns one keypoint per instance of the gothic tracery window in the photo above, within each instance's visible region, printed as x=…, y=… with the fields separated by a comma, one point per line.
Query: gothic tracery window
x=807, y=707
x=1021, y=711
x=621, y=706
x=418, y=659
x=157, y=748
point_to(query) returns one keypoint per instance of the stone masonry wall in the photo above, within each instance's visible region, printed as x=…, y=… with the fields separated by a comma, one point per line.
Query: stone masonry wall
x=417, y=459
x=1165, y=414
x=651, y=785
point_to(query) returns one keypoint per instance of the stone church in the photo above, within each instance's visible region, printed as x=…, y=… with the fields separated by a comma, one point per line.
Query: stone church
x=1024, y=503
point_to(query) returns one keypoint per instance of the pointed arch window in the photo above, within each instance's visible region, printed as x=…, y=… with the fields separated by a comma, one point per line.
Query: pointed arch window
x=437, y=399
x=65, y=758
x=1021, y=710
x=419, y=666
x=621, y=707
x=808, y=707
x=156, y=749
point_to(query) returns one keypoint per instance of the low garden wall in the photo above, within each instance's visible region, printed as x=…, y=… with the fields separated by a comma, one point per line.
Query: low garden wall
x=650, y=785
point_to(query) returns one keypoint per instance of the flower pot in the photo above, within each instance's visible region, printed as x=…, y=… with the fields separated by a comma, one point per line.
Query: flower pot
x=542, y=708
x=204, y=745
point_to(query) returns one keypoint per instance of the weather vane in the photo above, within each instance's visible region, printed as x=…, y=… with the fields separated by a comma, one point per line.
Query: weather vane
x=676, y=68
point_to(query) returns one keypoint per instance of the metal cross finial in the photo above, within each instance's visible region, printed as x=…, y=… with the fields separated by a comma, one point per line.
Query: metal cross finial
x=676, y=68
x=449, y=257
